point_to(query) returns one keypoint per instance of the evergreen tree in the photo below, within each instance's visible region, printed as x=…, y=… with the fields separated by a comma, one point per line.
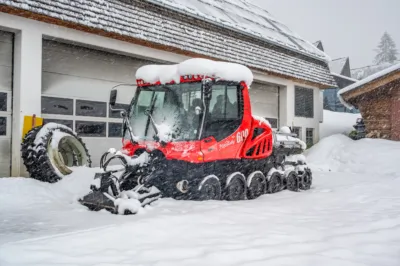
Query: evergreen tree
x=386, y=51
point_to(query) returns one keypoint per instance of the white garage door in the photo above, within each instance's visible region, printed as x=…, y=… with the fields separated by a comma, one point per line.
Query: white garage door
x=75, y=92
x=265, y=102
x=6, y=50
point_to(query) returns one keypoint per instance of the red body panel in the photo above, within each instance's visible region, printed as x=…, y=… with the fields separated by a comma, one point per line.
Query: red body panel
x=240, y=144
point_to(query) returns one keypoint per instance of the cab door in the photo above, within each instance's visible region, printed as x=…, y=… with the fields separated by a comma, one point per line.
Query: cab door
x=224, y=124
x=209, y=148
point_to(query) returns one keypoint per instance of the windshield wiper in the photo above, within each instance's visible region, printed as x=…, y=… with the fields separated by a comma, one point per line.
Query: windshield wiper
x=149, y=113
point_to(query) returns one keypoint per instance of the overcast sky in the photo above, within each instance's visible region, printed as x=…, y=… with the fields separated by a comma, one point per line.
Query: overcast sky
x=346, y=27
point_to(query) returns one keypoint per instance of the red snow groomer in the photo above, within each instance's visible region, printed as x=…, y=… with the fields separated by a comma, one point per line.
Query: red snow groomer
x=190, y=134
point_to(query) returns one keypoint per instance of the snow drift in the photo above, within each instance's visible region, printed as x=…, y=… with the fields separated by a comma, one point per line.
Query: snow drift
x=337, y=123
x=351, y=216
x=339, y=153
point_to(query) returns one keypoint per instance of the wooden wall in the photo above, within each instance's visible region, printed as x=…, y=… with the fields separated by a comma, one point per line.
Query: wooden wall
x=381, y=111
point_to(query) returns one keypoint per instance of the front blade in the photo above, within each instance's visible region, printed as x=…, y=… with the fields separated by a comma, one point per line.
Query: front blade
x=97, y=201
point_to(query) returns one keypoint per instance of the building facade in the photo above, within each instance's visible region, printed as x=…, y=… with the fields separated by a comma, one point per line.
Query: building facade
x=59, y=60
x=378, y=99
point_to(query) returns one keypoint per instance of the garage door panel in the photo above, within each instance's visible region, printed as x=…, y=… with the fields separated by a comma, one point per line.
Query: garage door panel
x=6, y=50
x=265, y=101
x=5, y=78
x=6, y=53
x=80, y=67
x=264, y=110
x=83, y=88
x=68, y=60
x=97, y=146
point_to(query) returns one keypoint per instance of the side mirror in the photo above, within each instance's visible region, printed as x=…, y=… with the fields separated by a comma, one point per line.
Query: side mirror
x=207, y=88
x=113, y=97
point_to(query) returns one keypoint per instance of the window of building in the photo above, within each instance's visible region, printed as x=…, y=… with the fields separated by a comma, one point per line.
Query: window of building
x=90, y=129
x=304, y=102
x=3, y=126
x=309, y=137
x=57, y=106
x=272, y=121
x=3, y=101
x=297, y=131
x=114, y=130
x=91, y=108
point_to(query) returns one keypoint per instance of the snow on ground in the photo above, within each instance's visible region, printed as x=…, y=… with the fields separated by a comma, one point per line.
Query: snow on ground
x=351, y=216
x=337, y=123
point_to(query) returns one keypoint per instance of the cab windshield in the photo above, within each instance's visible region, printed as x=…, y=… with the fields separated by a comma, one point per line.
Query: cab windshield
x=176, y=108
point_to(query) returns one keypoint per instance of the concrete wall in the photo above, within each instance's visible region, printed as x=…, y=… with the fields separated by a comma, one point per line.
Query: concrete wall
x=28, y=85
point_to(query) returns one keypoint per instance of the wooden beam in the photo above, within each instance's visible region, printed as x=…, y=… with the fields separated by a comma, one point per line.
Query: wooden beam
x=76, y=26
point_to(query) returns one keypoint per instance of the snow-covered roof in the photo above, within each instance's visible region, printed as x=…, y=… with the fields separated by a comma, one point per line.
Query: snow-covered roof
x=363, y=82
x=344, y=77
x=336, y=66
x=195, y=66
x=247, y=17
x=363, y=72
x=158, y=23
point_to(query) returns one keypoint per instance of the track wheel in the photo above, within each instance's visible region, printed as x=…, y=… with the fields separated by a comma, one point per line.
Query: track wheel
x=256, y=185
x=235, y=187
x=275, y=183
x=210, y=188
x=306, y=181
x=292, y=181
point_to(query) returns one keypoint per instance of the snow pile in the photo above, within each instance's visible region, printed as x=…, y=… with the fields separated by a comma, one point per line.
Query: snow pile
x=365, y=81
x=283, y=137
x=339, y=153
x=139, y=160
x=47, y=128
x=337, y=123
x=196, y=66
x=349, y=217
x=262, y=120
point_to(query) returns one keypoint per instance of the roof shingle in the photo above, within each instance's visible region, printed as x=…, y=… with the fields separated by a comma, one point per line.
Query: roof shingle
x=156, y=24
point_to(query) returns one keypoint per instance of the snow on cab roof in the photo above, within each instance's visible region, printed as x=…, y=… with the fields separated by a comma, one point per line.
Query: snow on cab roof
x=195, y=66
x=365, y=81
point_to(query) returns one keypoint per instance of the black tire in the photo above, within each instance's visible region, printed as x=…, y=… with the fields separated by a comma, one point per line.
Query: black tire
x=235, y=188
x=209, y=188
x=47, y=163
x=306, y=180
x=27, y=153
x=292, y=181
x=275, y=183
x=256, y=185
